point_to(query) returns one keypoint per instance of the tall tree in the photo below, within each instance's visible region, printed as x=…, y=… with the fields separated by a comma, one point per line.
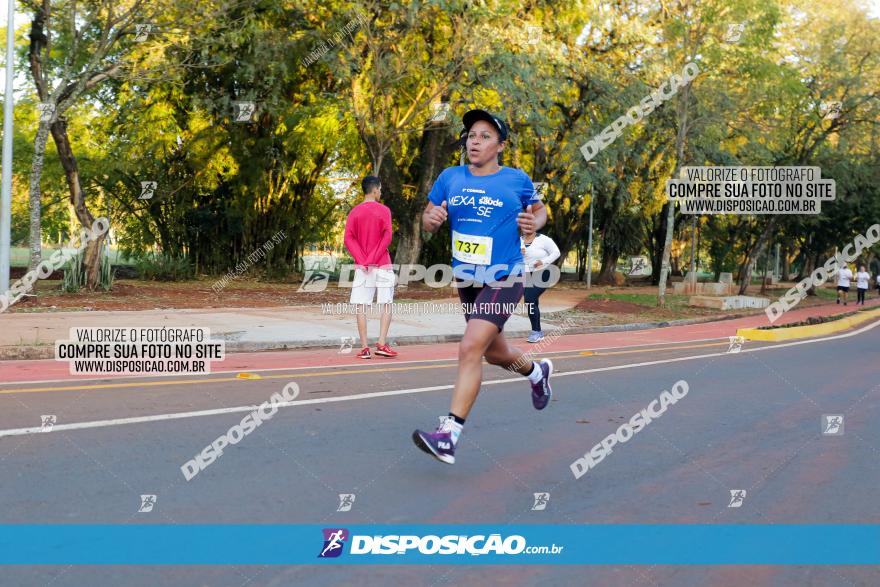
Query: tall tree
x=402, y=66
x=88, y=42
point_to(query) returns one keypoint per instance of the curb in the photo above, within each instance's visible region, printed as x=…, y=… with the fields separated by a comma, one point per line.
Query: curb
x=233, y=346
x=47, y=351
x=795, y=332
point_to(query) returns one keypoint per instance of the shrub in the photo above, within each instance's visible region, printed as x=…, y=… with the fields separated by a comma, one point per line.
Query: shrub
x=75, y=274
x=163, y=267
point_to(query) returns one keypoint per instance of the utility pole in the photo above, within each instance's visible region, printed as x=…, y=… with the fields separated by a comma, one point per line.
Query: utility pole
x=590, y=237
x=776, y=271
x=590, y=243
x=6, y=182
x=694, y=249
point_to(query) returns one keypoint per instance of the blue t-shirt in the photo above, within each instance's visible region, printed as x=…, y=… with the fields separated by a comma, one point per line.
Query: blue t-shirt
x=482, y=218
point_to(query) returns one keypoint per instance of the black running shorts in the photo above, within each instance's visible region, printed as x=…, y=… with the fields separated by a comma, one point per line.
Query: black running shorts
x=493, y=304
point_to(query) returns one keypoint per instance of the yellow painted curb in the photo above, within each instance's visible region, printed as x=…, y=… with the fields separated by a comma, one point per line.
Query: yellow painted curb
x=794, y=332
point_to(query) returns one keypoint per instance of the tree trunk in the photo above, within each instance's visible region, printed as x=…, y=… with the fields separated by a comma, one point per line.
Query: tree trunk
x=409, y=242
x=764, y=275
x=667, y=249
x=680, y=137
x=786, y=266
x=92, y=256
x=657, y=250
x=801, y=261
x=606, y=272
x=870, y=262
x=609, y=263
x=744, y=274
x=38, y=41
x=35, y=195
x=564, y=250
x=810, y=263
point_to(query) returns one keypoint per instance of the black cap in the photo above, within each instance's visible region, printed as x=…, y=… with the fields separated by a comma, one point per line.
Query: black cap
x=473, y=116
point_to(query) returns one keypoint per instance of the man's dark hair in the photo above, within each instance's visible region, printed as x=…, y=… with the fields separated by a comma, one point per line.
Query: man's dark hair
x=370, y=183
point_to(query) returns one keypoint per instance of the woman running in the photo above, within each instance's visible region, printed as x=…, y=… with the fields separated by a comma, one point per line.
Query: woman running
x=487, y=206
x=538, y=251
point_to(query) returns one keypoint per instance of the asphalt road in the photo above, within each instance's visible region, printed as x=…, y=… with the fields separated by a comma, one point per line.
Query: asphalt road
x=751, y=420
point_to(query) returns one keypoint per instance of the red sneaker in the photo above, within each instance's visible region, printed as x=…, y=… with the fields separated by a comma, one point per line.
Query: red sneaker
x=364, y=354
x=383, y=350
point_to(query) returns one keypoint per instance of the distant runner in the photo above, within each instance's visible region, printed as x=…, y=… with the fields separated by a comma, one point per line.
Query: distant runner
x=843, y=278
x=487, y=206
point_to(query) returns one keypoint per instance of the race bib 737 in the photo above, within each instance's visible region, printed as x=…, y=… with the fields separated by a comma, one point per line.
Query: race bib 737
x=473, y=249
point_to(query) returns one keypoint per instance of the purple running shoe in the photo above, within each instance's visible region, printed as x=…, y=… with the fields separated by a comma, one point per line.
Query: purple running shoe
x=439, y=443
x=541, y=391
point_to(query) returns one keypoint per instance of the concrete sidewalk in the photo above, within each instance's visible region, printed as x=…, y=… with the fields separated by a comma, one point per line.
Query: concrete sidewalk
x=33, y=335
x=330, y=355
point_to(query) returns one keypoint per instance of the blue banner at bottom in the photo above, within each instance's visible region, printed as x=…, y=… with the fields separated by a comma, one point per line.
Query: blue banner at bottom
x=611, y=544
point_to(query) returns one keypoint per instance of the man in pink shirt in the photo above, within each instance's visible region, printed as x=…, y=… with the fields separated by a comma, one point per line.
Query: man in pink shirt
x=367, y=236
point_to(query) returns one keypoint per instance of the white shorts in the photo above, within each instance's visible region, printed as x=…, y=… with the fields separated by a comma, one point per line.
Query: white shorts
x=376, y=281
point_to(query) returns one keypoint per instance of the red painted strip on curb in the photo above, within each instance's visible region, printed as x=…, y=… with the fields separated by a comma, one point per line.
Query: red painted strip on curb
x=49, y=369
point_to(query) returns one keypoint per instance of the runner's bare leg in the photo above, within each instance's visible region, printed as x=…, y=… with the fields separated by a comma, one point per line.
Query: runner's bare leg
x=503, y=354
x=478, y=335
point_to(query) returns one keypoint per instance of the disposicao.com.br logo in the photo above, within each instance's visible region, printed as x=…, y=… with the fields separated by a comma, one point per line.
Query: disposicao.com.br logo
x=334, y=541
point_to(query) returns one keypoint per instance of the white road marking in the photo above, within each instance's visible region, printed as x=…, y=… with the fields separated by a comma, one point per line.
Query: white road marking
x=326, y=400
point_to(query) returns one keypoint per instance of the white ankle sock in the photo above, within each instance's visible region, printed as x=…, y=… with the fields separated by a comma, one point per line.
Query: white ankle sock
x=537, y=374
x=454, y=429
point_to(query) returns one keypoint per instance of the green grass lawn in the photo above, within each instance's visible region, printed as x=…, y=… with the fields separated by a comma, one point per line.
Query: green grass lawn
x=674, y=302
x=827, y=293
x=643, y=299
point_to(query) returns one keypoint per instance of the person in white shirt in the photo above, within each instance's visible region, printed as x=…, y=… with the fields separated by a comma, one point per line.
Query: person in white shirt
x=538, y=251
x=843, y=278
x=862, y=279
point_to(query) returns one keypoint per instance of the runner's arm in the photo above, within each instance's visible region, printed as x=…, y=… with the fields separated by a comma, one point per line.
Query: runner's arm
x=539, y=210
x=552, y=250
x=532, y=221
x=434, y=216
